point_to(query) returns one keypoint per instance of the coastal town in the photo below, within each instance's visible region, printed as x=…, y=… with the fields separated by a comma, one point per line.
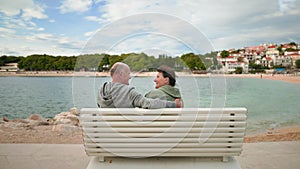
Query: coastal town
x=265, y=58
x=261, y=59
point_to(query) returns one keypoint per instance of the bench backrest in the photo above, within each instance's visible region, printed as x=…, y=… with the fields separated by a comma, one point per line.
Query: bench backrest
x=197, y=132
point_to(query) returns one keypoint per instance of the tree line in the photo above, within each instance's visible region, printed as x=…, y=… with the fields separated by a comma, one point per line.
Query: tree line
x=103, y=62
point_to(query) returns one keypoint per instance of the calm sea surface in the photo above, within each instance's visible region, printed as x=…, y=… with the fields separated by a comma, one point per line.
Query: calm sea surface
x=269, y=103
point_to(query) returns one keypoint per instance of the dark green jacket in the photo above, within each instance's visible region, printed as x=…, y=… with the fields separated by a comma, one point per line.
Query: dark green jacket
x=165, y=92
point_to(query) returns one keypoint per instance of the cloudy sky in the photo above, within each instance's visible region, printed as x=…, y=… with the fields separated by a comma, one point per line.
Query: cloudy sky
x=173, y=27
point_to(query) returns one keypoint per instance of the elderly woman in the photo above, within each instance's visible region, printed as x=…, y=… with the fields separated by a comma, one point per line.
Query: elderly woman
x=165, y=81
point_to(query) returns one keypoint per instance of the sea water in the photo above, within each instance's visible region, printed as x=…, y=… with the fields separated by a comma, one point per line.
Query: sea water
x=270, y=103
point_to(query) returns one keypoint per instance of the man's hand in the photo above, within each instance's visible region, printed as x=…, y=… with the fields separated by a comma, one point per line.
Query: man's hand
x=179, y=103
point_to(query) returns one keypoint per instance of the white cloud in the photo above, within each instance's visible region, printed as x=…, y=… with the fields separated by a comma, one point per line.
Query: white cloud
x=5, y=30
x=34, y=12
x=41, y=29
x=75, y=6
x=96, y=19
x=167, y=32
x=40, y=43
x=27, y=8
x=88, y=34
x=225, y=22
x=150, y=44
x=288, y=5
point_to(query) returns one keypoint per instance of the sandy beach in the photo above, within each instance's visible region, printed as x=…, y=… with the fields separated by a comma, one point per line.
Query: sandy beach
x=52, y=134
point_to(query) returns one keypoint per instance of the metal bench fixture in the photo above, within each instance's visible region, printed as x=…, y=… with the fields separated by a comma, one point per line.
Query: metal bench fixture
x=169, y=132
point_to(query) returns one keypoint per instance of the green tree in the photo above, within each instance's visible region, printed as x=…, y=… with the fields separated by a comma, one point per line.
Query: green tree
x=298, y=63
x=88, y=62
x=290, y=49
x=293, y=43
x=239, y=70
x=279, y=48
x=224, y=54
x=255, y=68
x=46, y=63
x=138, y=62
x=193, y=61
x=104, y=63
x=9, y=59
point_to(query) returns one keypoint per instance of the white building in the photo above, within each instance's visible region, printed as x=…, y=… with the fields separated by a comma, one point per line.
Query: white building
x=272, y=53
x=231, y=63
x=9, y=67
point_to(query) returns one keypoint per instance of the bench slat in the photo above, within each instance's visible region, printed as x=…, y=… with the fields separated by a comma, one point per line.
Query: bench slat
x=162, y=135
x=163, y=124
x=166, y=154
x=91, y=129
x=159, y=140
x=173, y=150
x=220, y=117
x=149, y=145
x=163, y=111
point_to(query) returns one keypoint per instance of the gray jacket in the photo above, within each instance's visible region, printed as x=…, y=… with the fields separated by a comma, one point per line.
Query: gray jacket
x=117, y=95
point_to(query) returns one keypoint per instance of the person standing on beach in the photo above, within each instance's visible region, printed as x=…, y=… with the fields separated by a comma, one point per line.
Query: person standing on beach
x=118, y=93
x=164, y=85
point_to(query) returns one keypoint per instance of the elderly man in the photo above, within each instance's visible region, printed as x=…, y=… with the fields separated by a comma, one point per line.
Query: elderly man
x=118, y=93
x=164, y=85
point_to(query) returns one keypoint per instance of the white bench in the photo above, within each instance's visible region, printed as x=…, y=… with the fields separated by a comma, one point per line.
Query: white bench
x=169, y=132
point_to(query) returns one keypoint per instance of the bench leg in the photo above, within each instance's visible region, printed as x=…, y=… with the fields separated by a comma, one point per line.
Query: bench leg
x=101, y=158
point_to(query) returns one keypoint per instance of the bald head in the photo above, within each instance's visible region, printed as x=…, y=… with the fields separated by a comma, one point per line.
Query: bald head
x=120, y=73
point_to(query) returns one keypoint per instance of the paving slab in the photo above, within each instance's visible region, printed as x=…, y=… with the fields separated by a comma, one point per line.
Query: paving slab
x=266, y=155
x=270, y=155
x=43, y=156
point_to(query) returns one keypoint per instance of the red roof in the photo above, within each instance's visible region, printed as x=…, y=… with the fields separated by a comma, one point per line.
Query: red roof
x=272, y=46
x=294, y=55
x=268, y=58
x=231, y=62
x=286, y=46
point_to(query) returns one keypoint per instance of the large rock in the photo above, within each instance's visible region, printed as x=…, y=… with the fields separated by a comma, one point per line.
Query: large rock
x=74, y=111
x=67, y=118
x=36, y=119
x=65, y=128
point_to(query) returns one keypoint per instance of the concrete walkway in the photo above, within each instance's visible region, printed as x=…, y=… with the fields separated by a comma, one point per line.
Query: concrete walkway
x=268, y=155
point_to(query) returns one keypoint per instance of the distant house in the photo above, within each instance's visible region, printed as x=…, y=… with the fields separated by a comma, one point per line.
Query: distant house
x=232, y=66
x=272, y=53
x=294, y=57
x=231, y=63
x=9, y=67
x=284, y=61
x=267, y=62
x=286, y=46
x=259, y=49
x=291, y=52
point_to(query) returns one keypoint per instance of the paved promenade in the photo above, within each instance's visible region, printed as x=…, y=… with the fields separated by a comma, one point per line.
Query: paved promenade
x=268, y=155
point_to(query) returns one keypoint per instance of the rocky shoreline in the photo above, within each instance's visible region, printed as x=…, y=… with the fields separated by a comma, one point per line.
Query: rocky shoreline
x=65, y=128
